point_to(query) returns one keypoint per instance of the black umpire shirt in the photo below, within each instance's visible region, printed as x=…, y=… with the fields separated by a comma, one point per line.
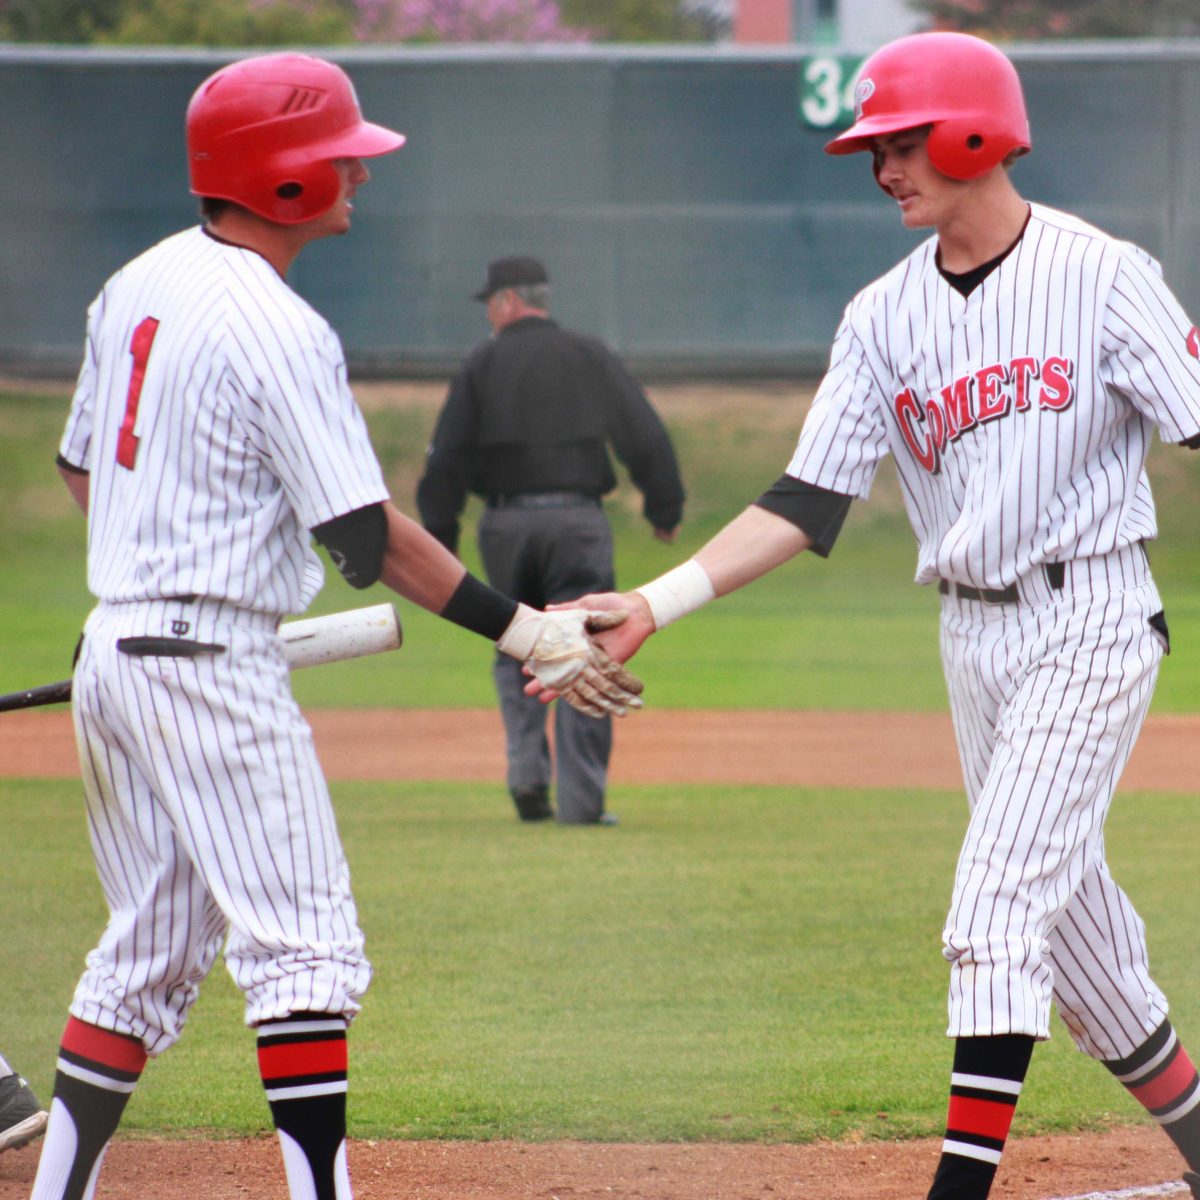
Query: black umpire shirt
x=533, y=409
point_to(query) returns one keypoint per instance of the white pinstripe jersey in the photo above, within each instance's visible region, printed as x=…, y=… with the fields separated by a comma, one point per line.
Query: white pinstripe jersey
x=214, y=416
x=1019, y=416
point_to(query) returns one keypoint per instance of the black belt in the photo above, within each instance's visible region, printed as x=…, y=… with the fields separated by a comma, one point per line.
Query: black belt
x=543, y=500
x=964, y=591
x=165, y=647
x=1056, y=574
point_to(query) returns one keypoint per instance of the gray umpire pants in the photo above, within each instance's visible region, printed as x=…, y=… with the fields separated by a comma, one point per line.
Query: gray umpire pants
x=545, y=548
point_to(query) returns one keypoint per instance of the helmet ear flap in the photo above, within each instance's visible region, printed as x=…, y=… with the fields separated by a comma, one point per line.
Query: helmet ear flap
x=295, y=195
x=963, y=148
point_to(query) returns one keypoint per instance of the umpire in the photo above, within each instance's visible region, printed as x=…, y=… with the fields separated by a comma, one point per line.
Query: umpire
x=526, y=425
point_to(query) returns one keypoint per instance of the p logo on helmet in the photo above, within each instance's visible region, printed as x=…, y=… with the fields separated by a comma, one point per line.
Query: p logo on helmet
x=864, y=89
x=962, y=87
x=263, y=132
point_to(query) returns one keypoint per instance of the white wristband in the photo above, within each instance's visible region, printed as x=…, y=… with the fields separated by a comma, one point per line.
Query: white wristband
x=523, y=631
x=677, y=593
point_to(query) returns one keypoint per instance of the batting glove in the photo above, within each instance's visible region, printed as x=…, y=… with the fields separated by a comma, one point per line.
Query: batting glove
x=559, y=654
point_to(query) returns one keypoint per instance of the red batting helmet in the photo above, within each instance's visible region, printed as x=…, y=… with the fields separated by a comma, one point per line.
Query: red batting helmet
x=263, y=131
x=962, y=86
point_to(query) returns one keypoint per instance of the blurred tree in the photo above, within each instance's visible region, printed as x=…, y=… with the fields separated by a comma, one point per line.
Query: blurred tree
x=1028, y=19
x=329, y=22
x=232, y=23
x=56, y=20
x=715, y=17
x=463, y=21
x=639, y=20
x=179, y=22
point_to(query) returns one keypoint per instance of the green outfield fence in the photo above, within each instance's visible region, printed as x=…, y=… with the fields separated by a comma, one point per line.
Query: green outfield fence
x=681, y=199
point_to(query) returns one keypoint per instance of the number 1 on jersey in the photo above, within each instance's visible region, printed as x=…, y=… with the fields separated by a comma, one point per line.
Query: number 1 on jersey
x=139, y=347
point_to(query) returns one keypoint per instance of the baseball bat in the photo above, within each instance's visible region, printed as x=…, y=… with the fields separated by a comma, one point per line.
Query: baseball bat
x=48, y=693
x=308, y=643
x=342, y=635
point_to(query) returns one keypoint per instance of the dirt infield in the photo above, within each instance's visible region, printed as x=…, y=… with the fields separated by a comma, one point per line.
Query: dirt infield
x=1033, y=1169
x=800, y=749
x=804, y=749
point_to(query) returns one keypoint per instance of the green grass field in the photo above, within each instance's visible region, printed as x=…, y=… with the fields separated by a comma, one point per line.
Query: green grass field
x=848, y=633
x=731, y=963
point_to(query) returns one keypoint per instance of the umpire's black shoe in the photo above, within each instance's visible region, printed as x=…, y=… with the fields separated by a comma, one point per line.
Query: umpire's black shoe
x=533, y=803
x=1193, y=1181
x=21, y=1116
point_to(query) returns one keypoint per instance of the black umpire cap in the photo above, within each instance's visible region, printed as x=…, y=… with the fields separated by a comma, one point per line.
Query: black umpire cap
x=512, y=272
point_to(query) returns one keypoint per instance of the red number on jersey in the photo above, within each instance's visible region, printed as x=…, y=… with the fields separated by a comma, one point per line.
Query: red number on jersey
x=139, y=347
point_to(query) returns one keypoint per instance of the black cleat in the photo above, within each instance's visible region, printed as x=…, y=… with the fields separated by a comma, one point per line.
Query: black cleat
x=22, y=1118
x=533, y=803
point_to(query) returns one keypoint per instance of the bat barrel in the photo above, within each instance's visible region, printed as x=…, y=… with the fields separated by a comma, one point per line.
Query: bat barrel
x=338, y=636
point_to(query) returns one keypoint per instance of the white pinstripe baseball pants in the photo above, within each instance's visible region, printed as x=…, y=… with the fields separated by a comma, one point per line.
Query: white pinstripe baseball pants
x=210, y=822
x=1047, y=698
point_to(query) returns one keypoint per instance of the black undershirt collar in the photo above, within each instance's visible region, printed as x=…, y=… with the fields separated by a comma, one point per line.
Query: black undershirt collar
x=216, y=237
x=968, y=281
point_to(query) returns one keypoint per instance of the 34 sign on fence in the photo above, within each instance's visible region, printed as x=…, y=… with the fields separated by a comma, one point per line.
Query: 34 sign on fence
x=827, y=89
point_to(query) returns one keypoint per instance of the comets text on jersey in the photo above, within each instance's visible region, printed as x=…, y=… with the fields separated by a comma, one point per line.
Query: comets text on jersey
x=989, y=394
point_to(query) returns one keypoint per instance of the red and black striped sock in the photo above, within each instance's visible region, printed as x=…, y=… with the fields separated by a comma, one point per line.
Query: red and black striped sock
x=303, y=1062
x=984, y=1088
x=97, y=1072
x=1161, y=1077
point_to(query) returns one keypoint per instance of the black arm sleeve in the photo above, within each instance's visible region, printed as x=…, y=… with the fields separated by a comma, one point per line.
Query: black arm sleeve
x=356, y=542
x=818, y=512
x=1192, y=443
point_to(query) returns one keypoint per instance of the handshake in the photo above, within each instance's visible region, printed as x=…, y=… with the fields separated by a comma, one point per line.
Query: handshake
x=558, y=651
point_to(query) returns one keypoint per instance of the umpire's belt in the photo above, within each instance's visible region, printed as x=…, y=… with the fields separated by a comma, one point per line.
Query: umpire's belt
x=543, y=500
x=1055, y=576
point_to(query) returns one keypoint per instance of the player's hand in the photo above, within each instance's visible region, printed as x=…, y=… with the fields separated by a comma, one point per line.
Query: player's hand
x=666, y=535
x=566, y=661
x=616, y=641
x=625, y=638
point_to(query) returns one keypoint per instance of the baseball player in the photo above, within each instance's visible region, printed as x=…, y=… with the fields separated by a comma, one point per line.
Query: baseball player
x=211, y=430
x=1016, y=365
